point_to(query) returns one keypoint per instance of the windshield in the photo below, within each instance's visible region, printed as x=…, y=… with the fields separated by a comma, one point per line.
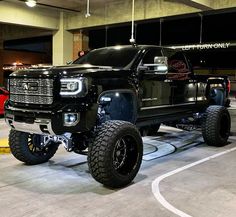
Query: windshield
x=116, y=57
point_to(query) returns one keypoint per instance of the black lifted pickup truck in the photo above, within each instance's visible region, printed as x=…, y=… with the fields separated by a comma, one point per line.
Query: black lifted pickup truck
x=102, y=103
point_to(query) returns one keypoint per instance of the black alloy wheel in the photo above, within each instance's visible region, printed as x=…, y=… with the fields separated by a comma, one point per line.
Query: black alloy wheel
x=115, y=156
x=27, y=147
x=216, y=126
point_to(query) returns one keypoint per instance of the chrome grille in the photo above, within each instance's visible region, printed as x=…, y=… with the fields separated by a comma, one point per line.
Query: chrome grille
x=31, y=91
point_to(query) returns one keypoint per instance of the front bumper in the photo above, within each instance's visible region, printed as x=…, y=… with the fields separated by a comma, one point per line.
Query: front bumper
x=47, y=122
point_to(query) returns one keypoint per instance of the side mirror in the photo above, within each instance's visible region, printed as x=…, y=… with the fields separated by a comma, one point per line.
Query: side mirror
x=161, y=60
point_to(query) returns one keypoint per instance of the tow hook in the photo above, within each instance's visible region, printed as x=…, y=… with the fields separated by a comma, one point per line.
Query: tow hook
x=64, y=139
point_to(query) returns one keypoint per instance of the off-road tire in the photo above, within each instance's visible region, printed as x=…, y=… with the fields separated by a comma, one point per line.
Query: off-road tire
x=104, y=155
x=29, y=153
x=216, y=126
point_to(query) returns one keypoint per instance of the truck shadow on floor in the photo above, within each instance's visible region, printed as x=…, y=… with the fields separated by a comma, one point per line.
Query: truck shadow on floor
x=167, y=143
x=66, y=175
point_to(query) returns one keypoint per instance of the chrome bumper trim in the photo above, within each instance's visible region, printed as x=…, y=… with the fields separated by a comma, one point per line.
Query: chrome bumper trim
x=35, y=128
x=27, y=110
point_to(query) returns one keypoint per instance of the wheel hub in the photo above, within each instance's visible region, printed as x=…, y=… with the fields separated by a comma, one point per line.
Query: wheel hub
x=119, y=155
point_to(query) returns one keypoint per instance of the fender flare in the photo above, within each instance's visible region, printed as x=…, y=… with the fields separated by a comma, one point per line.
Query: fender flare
x=217, y=95
x=121, y=104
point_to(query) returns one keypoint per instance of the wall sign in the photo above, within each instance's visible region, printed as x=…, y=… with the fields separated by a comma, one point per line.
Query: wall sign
x=205, y=46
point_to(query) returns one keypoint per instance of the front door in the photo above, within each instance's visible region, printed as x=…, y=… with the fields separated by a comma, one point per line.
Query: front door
x=155, y=90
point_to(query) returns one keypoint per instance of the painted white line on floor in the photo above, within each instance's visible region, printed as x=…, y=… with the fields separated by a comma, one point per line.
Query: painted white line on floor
x=156, y=183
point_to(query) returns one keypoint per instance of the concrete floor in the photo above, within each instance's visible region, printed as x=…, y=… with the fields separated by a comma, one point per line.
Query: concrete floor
x=63, y=187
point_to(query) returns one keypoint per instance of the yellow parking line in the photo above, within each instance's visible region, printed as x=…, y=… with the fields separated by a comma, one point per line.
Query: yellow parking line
x=4, y=142
x=4, y=147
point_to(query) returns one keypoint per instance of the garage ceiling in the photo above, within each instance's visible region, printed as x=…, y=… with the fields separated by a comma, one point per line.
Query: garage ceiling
x=74, y=5
x=79, y=4
x=70, y=3
x=103, y=12
x=11, y=31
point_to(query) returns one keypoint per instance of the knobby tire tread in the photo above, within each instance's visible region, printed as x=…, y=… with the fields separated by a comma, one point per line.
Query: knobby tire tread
x=210, y=126
x=20, y=150
x=98, y=154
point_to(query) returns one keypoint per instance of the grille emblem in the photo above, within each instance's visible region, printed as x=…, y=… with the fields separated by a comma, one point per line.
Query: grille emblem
x=25, y=86
x=32, y=86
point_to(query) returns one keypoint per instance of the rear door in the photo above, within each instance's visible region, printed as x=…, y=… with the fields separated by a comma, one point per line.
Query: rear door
x=183, y=85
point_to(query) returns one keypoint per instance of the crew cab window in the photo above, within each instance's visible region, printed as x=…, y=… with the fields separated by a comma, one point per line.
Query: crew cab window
x=150, y=56
x=178, y=68
x=177, y=63
x=1, y=92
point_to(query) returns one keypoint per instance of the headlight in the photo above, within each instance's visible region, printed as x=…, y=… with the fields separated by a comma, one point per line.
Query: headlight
x=74, y=87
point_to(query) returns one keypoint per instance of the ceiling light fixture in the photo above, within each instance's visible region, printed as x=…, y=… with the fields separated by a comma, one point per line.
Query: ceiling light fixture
x=31, y=3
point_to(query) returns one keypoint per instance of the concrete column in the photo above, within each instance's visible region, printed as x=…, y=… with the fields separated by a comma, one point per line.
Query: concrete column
x=62, y=44
x=80, y=42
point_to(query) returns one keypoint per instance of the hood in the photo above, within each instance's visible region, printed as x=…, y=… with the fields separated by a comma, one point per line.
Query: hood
x=70, y=71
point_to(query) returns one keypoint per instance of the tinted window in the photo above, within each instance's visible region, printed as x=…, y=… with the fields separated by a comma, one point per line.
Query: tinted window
x=150, y=56
x=176, y=62
x=114, y=57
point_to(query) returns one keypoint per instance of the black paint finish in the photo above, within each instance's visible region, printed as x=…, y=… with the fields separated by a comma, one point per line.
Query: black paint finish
x=154, y=97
